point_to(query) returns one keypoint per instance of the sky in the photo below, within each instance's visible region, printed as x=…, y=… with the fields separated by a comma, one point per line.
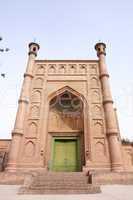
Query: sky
x=66, y=30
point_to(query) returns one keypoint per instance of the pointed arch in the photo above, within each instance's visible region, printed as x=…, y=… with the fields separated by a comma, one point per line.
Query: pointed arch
x=62, y=69
x=94, y=82
x=97, y=110
x=40, y=70
x=99, y=151
x=83, y=69
x=98, y=128
x=52, y=69
x=32, y=130
x=67, y=89
x=29, y=149
x=68, y=121
x=38, y=82
x=73, y=69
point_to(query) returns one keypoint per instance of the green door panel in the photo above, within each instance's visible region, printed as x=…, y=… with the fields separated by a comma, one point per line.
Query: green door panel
x=65, y=155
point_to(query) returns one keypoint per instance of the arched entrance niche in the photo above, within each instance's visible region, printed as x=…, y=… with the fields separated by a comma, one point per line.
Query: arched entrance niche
x=67, y=128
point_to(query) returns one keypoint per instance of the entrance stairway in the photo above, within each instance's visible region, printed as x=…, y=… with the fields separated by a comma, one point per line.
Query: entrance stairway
x=58, y=183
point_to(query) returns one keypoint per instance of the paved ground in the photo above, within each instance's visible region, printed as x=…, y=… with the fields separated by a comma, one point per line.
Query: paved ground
x=111, y=192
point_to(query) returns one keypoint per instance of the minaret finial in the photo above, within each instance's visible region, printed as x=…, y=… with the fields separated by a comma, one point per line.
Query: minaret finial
x=33, y=48
x=100, y=47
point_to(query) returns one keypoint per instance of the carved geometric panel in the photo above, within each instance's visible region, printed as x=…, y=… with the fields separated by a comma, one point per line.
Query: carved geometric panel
x=34, y=113
x=72, y=69
x=38, y=83
x=98, y=129
x=61, y=121
x=32, y=130
x=95, y=96
x=99, y=151
x=94, y=82
x=40, y=70
x=36, y=97
x=29, y=149
x=52, y=69
x=62, y=69
x=93, y=69
x=83, y=69
x=97, y=111
x=68, y=69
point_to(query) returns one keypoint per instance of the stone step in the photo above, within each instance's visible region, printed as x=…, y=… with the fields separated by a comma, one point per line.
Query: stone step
x=61, y=179
x=58, y=183
x=90, y=190
x=59, y=187
x=61, y=182
x=59, y=173
x=62, y=174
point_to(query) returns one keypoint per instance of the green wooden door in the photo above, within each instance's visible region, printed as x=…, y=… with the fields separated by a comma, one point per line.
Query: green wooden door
x=65, y=155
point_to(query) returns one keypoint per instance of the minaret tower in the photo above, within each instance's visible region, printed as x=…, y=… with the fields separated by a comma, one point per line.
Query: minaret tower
x=17, y=132
x=110, y=118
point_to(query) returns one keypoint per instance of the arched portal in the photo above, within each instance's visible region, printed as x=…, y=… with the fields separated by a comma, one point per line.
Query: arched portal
x=66, y=132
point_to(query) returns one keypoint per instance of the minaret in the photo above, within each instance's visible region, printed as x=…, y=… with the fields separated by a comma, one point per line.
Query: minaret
x=23, y=102
x=110, y=118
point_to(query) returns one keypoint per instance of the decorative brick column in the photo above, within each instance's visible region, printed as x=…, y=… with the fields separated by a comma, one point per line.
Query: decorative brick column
x=17, y=132
x=110, y=118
